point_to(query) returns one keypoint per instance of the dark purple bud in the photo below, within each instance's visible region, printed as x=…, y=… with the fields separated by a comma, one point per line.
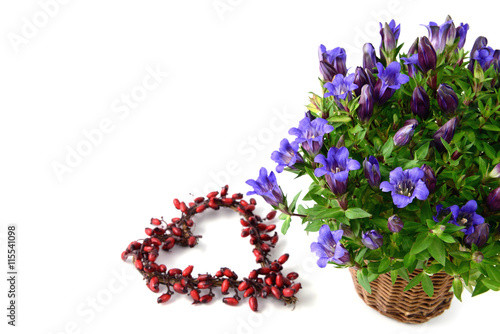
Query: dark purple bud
x=365, y=109
x=427, y=57
x=479, y=236
x=456, y=155
x=420, y=104
x=331, y=62
x=372, y=239
x=405, y=133
x=480, y=43
x=347, y=231
x=447, y=131
x=477, y=257
x=493, y=200
x=429, y=178
x=388, y=38
x=447, y=99
x=413, y=48
x=309, y=115
x=461, y=34
x=495, y=172
x=372, y=171
x=369, y=58
x=362, y=77
x=395, y=224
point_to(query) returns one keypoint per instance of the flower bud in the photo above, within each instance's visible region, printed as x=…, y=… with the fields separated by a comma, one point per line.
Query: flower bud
x=372, y=239
x=481, y=42
x=420, y=104
x=456, y=155
x=447, y=99
x=388, y=39
x=493, y=200
x=340, y=142
x=495, y=172
x=479, y=236
x=347, y=231
x=365, y=109
x=447, y=131
x=405, y=133
x=369, y=58
x=395, y=224
x=477, y=257
x=372, y=171
x=361, y=78
x=332, y=62
x=429, y=178
x=427, y=57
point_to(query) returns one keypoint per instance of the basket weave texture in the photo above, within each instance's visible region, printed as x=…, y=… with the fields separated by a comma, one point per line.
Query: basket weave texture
x=413, y=306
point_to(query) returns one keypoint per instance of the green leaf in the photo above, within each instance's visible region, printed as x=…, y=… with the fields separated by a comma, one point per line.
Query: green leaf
x=458, y=288
x=427, y=285
x=388, y=147
x=426, y=212
x=359, y=257
x=447, y=146
x=437, y=250
x=414, y=281
x=363, y=279
x=340, y=119
x=493, y=273
x=489, y=150
x=490, y=284
x=314, y=226
x=394, y=276
x=286, y=224
x=294, y=202
x=384, y=264
x=356, y=213
x=422, y=242
x=421, y=153
x=491, y=127
x=479, y=289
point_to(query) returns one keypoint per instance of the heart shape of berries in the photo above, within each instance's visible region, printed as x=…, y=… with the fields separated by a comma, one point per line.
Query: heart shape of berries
x=260, y=283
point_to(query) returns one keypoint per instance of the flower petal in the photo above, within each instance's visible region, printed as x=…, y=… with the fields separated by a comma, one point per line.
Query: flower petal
x=386, y=186
x=421, y=192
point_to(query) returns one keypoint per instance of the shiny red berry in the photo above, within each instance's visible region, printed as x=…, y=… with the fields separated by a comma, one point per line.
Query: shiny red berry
x=148, y=231
x=186, y=272
x=283, y=258
x=225, y=287
x=276, y=292
x=174, y=271
x=155, y=221
x=192, y=241
x=271, y=215
x=243, y=286
x=177, y=204
x=179, y=288
x=205, y=299
x=230, y=301
x=292, y=276
x=195, y=295
x=253, y=303
x=212, y=194
x=163, y=298
x=288, y=292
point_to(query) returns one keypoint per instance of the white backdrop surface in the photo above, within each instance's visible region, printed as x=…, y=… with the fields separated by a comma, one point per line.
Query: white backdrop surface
x=110, y=109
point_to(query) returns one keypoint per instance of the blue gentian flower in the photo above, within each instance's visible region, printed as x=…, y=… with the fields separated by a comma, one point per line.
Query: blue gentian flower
x=267, y=187
x=369, y=57
x=389, y=80
x=404, y=135
x=336, y=168
x=446, y=34
x=372, y=239
x=446, y=131
x=310, y=134
x=372, y=171
x=486, y=57
x=390, y=35
x=405, y=185
x=328, y=248
x=341, y=88
x=465, y=216
x=287, y=155
x=479, y=236
x=331, y=62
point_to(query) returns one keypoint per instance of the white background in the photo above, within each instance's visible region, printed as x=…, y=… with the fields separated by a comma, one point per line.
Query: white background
x=239, y=73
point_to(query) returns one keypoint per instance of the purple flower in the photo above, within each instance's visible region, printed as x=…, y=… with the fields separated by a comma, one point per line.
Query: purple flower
x=427, y=57
x=466, y=216
x=486, y=57
x=429, y=177
x=420, y=103
x=369, y=58
x=405, y=185
x=372, y=239
x=405, y=133
x=331, y=62
x=461, y=34
x=362, y=77
x=443, y=35
x=447, y=131
x=479, y=43
x=336, y=168
x=389, y=80
x=287, y=155
x=447, y=99
x=412, y=59
x=267, y=187
x=479, y=236
x=372, y=171
x=395, y=224
x=310, y=134
x=341, y=88
x=390, y=35
x=328, y=248
x=493, y=200
x=365, y=109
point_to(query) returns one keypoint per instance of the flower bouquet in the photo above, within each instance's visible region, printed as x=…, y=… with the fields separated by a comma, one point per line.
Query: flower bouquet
x=404, y=161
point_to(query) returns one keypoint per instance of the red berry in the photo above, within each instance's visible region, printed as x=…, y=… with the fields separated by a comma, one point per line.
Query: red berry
x=265, y=248
x=179, y=288
x=271, y=215
x=276, y=292
x=283, y=258
x=190, y=223
x=213, y=205
x=177, y=204
x=201, y=208
x=225, y=287
x=199, y=200
x=227, y=201
x=149, y=268
x=148, y=231
x=174, y=271
x=192, y=241
x=227, y=272
x=253, y=303
x=253, y=201
x=204, y=277
x=230, y=301
x=262, y=227
x=219, y=273
x=186, y=272
x=191, y=204
x=257, y=252
x=223, y=192
x=124, y=255
x=155, y=241
x=245, y=232
x=269, y=280
x=275, y=266
x=275, y=238
x=162, y=268
x=243, y=286
x=250, y=208
x=264, y=270
x=265, y=237
x=204, y=285
x=169, y=243
x=138, y=264
x=249, y=292
x=243, y=202
x=244, y=222
x=148, y=249
x=293, y=275
x=237, y=196
x=158, y=231
x=288, y=292
x=212, y=194
x=296, y=286
x=270, y=228
x=163, y=298
x=183, y=208
x=155, y=221
x=279, y=281
x=253, y=274
x=195, y=295
x=176, y=231
x=152, y=257
x=265, y=292
x=153, y=284
x=206, y=299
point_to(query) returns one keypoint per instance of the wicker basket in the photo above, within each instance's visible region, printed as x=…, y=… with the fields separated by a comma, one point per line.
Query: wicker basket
x=413, y=306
